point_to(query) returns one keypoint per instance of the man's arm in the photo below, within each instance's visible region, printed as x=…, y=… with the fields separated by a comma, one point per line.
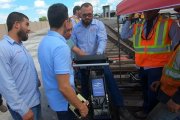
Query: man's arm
x=9, y=89
x=78, y=51
x=101, y=38
x=73, y=21
x=70, y=95
x=126, y=31
x=62, y=68
x=174, y=34
x=73, y=36
x=74, y=48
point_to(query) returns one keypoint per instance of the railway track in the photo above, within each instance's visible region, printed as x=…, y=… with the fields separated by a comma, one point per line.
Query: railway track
x=123, y=66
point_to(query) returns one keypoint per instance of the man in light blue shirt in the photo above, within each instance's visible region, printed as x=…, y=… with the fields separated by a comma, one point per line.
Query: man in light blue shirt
x=56, y=66
x=18, y=76
x=91, y=37
x=76, y=15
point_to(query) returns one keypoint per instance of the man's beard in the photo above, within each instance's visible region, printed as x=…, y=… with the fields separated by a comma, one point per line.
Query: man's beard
x=86, y=23
x=22, y=35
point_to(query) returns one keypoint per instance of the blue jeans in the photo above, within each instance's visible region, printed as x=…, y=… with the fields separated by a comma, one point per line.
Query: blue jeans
x=161, y=112
x=65, y=115
x=111, y=85
x=36, y=110
x=148, y=76
x=1, y=101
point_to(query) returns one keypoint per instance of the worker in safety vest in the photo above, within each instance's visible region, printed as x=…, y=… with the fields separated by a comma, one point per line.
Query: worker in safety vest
x=169, y=93
x=76, y=15
x=153, y=39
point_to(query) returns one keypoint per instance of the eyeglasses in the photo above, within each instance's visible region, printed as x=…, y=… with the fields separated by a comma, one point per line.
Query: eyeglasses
x=87, y=15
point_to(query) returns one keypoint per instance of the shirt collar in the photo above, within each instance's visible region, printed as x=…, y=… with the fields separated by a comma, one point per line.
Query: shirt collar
x=10, y=40
x=56, y=34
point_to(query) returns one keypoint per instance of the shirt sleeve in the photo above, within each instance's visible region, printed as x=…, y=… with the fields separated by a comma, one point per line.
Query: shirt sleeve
x=73, y=22
x=73, y=36
x=70, y=43
x=102, y=38
x=126, y=31
x=61, y=58
x=174, y=34
x=8, y=88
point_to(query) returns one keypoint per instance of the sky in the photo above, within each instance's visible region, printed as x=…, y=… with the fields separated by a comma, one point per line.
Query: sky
x=35, y=9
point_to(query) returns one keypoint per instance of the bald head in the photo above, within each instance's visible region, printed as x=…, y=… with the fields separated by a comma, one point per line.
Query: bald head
x=68, y=31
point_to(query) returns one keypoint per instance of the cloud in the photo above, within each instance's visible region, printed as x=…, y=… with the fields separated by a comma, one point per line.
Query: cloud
x=3, y=18
x=41, y=12
x=93, y=2
x=6, y=4
x=39, y=3
x=21, y=8
x=5, y=1
x=112, y=3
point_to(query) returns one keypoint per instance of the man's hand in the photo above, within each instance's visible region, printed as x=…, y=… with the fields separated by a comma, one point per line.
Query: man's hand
x=83, y=109
x=155, y=85
x=29, y=115
x=172, y=106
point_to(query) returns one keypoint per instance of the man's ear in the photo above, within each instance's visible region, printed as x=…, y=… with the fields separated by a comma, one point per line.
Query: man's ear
x=65, y=24
x=16, y=25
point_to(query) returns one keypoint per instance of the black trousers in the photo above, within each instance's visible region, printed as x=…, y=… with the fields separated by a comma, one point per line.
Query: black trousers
x=65, y=115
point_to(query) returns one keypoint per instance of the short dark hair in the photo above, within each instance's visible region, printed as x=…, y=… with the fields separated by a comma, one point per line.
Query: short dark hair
x=75, y=9
x=57, y=14
x=86, y=5
x=14, y=17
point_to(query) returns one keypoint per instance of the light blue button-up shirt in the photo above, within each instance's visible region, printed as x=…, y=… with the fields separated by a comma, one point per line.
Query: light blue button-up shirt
x=18, y=76
x=55, y=58
x=74, y=22
x=91, y=39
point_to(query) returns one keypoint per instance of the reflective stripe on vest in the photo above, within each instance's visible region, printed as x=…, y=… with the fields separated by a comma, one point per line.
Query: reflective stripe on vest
x=170, y=80
x=160, y=31
x=154, y=50
x=170, y=70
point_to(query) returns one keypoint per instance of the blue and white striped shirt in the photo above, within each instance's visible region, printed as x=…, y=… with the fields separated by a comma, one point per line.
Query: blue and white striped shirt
x=18, y=76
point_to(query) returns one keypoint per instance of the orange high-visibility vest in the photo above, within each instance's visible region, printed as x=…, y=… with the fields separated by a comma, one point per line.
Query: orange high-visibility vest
x=170, y=80
x=154, y=52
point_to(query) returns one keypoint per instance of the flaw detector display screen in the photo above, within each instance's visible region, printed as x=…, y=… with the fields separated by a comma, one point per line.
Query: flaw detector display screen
x=98, y=87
